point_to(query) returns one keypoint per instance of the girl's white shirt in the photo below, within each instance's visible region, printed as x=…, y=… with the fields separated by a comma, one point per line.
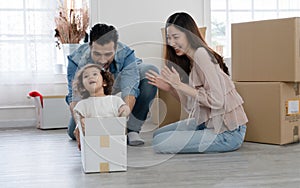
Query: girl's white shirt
x=106, y=106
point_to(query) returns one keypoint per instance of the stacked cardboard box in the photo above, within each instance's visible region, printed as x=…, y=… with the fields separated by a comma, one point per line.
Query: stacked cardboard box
x=104, y=145
x=266, y=71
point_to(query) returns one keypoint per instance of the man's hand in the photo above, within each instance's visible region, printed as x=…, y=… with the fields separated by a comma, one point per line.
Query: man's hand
x=124, y=111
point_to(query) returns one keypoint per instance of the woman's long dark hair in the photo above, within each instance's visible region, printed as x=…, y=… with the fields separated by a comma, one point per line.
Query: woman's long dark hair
x=185, y=23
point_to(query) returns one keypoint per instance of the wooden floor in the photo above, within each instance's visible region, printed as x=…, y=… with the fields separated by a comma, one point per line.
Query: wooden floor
x=36, y=158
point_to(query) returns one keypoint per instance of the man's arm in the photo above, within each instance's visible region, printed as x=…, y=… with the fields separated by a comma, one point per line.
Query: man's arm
x=130, y=101
x=72, y=68
x=72, y=105
x=129, y=77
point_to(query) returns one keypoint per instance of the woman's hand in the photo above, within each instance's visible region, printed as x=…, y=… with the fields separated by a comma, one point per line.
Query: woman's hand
x=124, y=111
x=171, y=76
x=158, y=81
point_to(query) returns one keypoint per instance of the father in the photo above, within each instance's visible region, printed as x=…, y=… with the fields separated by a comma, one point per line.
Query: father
x=129, y=73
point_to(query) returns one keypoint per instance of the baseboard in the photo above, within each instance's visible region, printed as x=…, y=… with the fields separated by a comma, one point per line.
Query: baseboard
x=18, y=123
x=17, y=116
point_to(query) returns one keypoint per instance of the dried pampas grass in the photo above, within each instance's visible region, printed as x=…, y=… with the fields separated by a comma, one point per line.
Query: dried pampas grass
x=72, y=22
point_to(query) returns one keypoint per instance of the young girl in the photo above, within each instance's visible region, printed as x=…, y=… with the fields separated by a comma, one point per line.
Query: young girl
x=197, y=76
x=94, y=86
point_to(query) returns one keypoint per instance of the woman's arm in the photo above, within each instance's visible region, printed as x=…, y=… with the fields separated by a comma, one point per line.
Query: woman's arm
x=209, y=95
x=209, y=80
x=171, y=76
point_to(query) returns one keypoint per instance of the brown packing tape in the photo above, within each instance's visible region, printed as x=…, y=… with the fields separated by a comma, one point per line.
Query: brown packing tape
x=104, y=141
x=296, y=135
x=104, y=167
x=296, y=88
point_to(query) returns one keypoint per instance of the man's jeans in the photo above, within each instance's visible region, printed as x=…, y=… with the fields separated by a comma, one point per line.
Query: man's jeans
x=187, y=137
x=142, y=104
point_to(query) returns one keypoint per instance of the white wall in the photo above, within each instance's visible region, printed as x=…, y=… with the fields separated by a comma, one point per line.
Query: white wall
x=139, y=22
x=16, y=109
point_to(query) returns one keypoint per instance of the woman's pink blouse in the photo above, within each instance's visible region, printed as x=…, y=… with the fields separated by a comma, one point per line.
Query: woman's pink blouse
x=217, y=102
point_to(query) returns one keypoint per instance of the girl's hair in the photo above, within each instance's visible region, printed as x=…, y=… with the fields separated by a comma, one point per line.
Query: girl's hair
x=79, y=88
x=185, y=23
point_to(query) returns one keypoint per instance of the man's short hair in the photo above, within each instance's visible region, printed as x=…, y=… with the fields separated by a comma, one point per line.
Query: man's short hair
x=103, y=34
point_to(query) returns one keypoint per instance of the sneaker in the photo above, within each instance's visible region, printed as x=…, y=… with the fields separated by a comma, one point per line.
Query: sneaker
x=134, y=139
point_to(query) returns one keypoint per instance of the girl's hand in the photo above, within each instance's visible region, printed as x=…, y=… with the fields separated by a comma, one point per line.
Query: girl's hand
x=171, y=76
x=158, y=81
x=124, y=110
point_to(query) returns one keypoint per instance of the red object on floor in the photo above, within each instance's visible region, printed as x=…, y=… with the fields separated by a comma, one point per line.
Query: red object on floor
x=37, y=94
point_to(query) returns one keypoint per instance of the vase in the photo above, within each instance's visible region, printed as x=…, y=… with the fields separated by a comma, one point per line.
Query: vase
x=68, y=49
x=62, y=57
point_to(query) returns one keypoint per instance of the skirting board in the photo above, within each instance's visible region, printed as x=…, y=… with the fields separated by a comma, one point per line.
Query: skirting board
x=18, y=123
x=17, y=116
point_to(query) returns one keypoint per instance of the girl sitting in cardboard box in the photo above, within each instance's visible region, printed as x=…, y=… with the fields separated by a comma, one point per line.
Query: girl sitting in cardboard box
x=94, y=85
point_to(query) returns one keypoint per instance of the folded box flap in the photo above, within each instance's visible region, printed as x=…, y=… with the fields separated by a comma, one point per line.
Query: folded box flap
x=105, y=126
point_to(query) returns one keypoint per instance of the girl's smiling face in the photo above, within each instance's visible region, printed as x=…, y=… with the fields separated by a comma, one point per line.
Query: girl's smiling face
x=92, y=81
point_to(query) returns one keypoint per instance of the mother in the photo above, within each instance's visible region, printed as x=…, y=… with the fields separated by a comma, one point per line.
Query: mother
x=197, y=76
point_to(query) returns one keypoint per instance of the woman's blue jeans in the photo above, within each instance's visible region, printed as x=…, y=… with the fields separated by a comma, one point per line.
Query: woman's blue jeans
x=142, y=104
x=187, y=137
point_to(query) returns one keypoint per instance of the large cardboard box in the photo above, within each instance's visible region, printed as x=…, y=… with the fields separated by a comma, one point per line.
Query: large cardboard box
x=273, y=110
x=266, y=50
x=53, y=114
x=104, y=145
x=170, y=110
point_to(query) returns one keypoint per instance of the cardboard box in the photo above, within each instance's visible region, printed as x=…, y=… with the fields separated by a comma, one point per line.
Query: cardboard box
x=266, y=50
x=54, y=114
x=104, y=145
x=170, y=110
x=273, y=110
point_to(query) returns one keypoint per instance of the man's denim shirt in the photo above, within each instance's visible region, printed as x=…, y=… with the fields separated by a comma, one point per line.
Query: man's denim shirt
x=124, y=68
